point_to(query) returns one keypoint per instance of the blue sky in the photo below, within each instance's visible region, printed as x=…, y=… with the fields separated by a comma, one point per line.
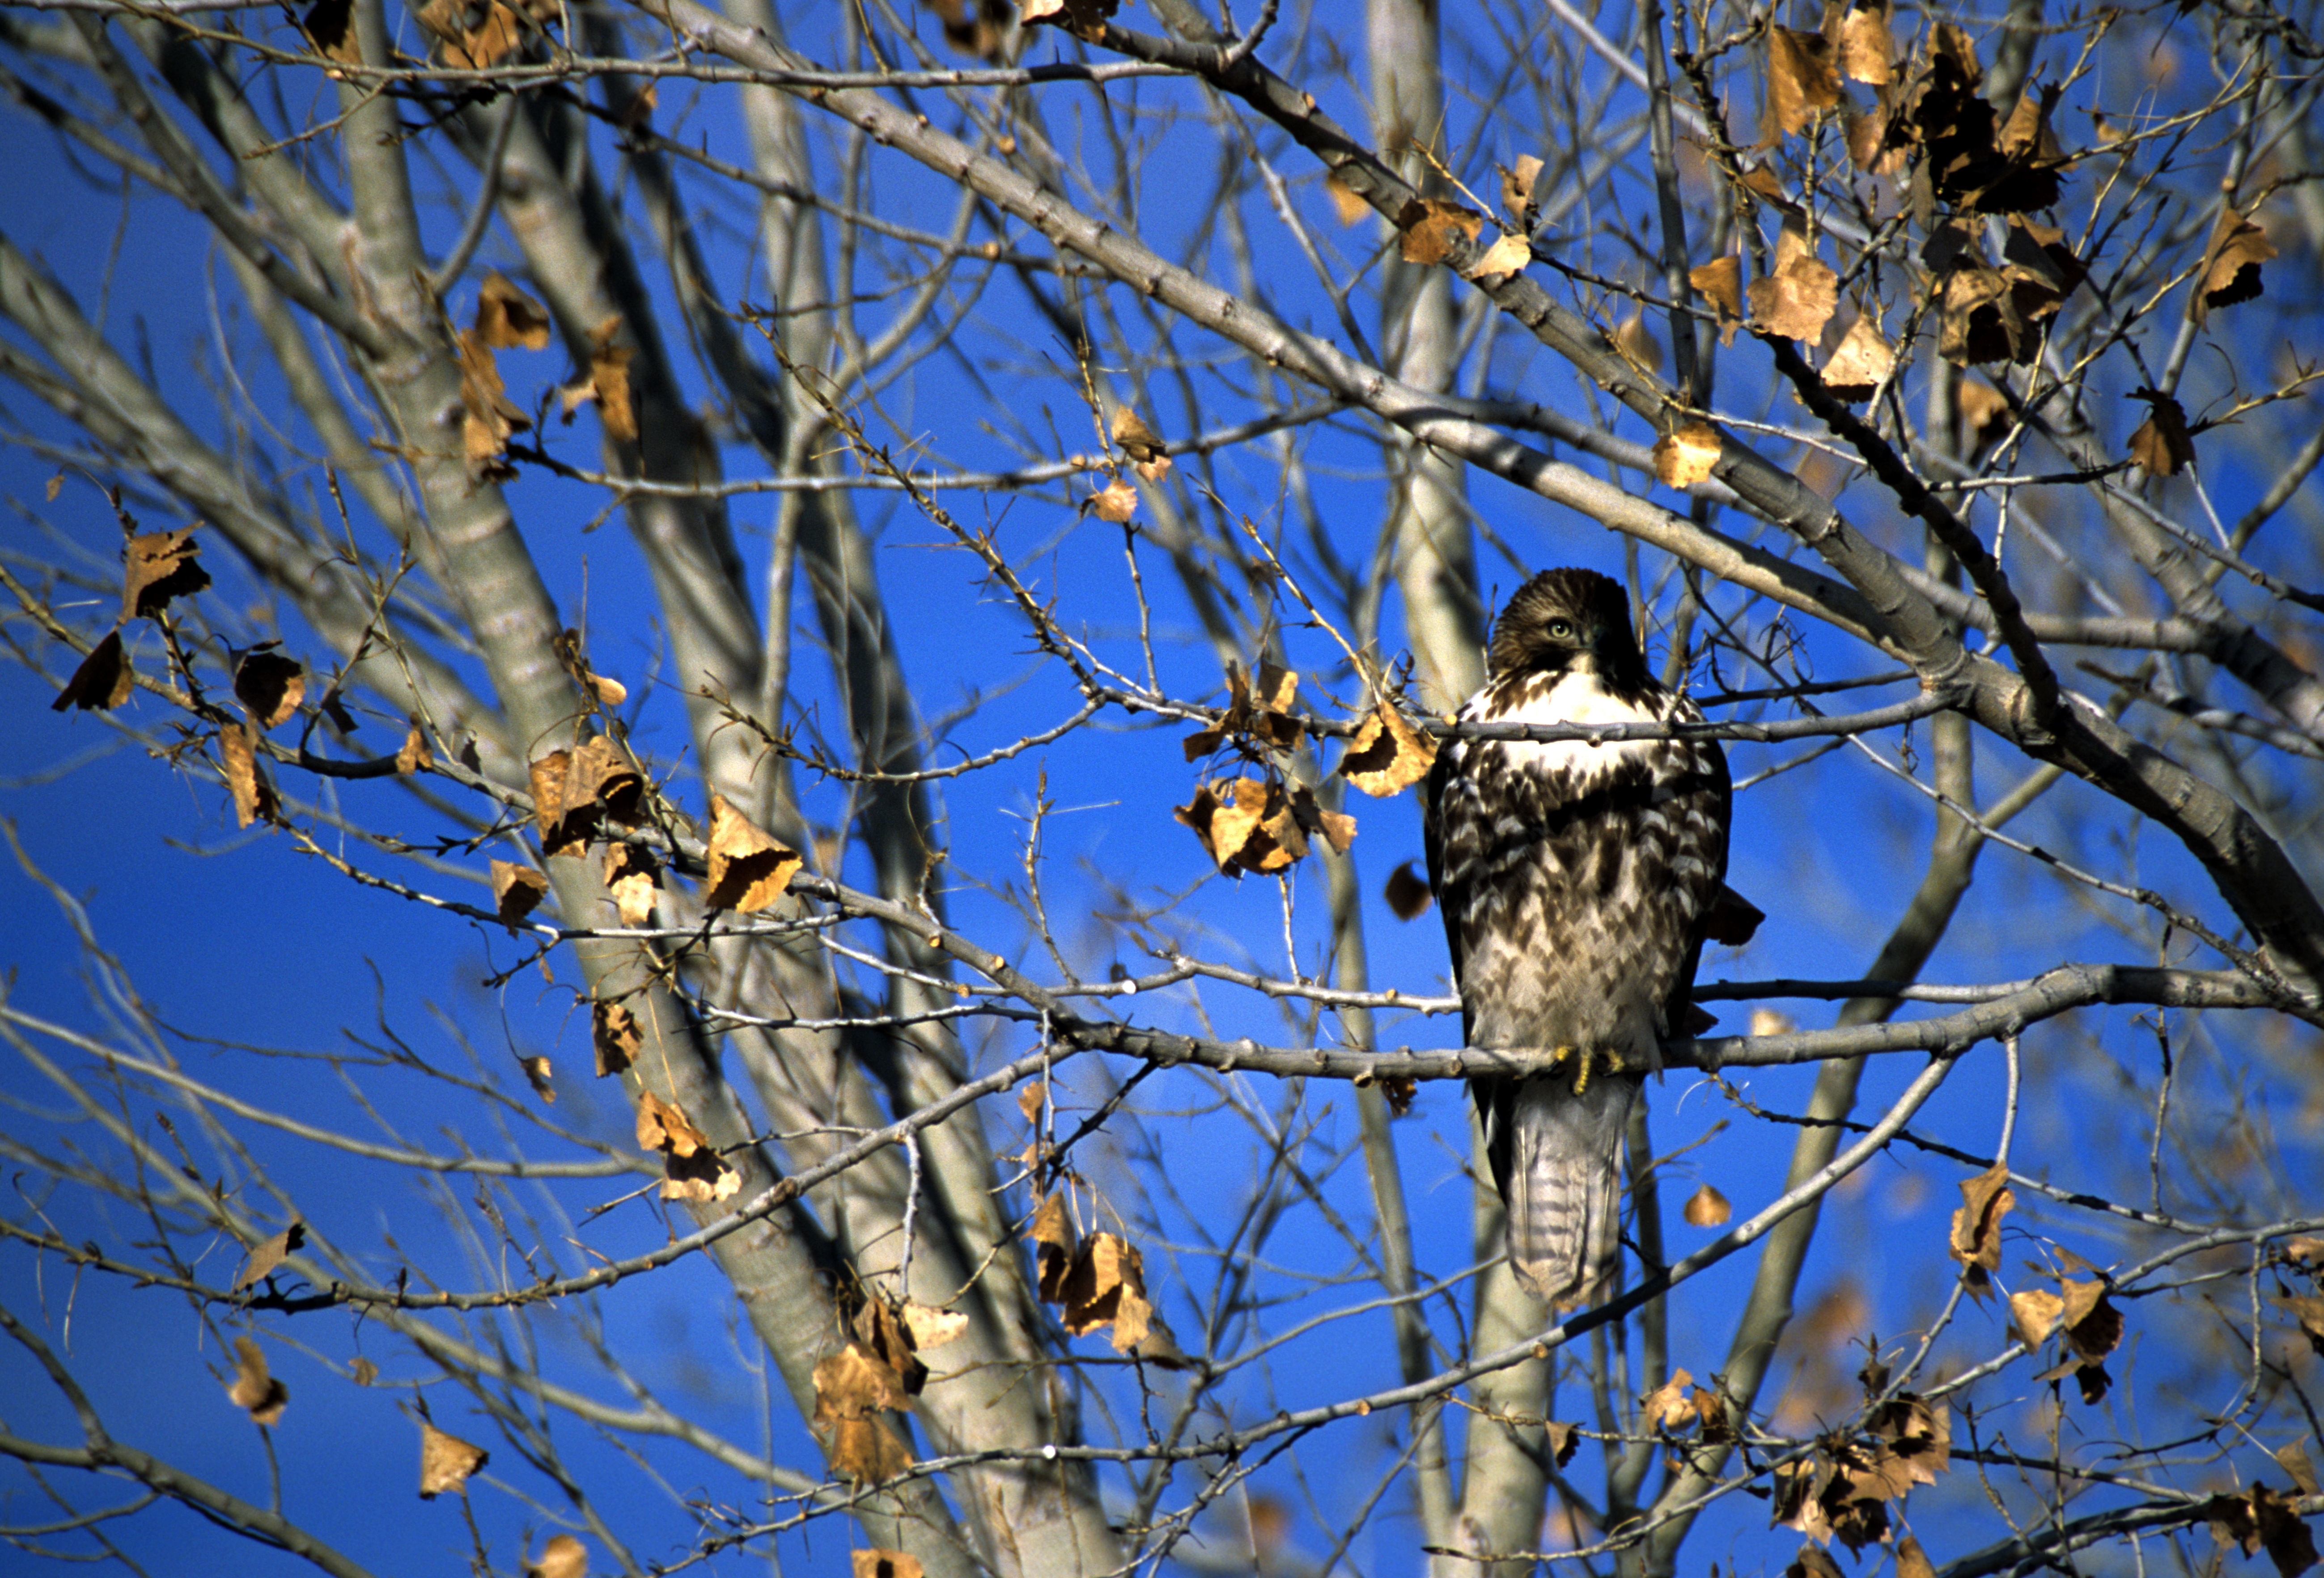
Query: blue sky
x=233, y=938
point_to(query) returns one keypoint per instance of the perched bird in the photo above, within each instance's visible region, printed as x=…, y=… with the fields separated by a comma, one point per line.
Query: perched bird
x=1577, y=880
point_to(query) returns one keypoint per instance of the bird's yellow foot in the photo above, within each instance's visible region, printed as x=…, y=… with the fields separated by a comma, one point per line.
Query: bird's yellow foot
x=1582, y=1063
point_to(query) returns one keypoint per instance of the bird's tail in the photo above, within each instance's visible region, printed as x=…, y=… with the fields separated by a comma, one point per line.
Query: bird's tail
x=1564, y=1185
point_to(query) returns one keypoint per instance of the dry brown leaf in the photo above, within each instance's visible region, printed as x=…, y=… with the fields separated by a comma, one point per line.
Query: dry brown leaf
x=609, y=382
x=608, y=692
x=492, y=41
x=1668, y=1407
x=1507, y=255
x=268, y=1253
x=2093, y=1325
x=1918, y=1438
x=614, y=1030
x=269, y=686
x=1800, y=296
x=1335, y=828
x=2308, y=1309
x=639, y=111
x=867, y=1451
x=1707, y=1207
x=413, y=755
x=537, y=1073
x=364, y=1371
x=1407, y=893
x=1271, y=704
x=664, y=1126
x=933, y=1328
x=1912, y=1561
x=1861, y=363
x=2304, y=1251
x=705, y=1176
x=882, y=1333
x=446, y=1462
x=1975, y=162
x=103, y=682
x=253, y=1390
x=1798, y=1506
x=245, y=779
x=2033, y=1315
x=2161, y=443
x=1106, y=1286
x=1720, y=283
x=854, y=1384
x=2040, y=268
x=1262, y=716
x=1388, y=755
x=1430, y=227
x=692, y=1169
x=1563, y=1440
x=2026, y=133
x=328, y=27
x=1141, y=443
x=1867, y=48
x=1346, y=202
x=1052, y=1240
x=1687, y=455
x=1762, y=180
x=749, y=871
x=2230, y=271
x=878, y=1563
x=488, y=415
x=1116, y=501
x=563, y=1556
x=1977, y=318
x=1870, y=147
x=629, y=875
x=1984, y=412
x=1082, y=18
x=507, y=317
x=1030, y=1099
x=1234, y=825
x=602, y=779
x=1803, y=81
x=1250, y=827
x=1517, y=182
x=2292, y=1458
x=1637, y=344
x=158, y=567
x=2283, y=1532
x=548, y=775
x=1859, y=1521
x=517, y=890
x=1772, y=1021
x=1975, y=1239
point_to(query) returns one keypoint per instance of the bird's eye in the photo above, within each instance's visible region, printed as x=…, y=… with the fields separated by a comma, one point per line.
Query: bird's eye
x=1560, y=629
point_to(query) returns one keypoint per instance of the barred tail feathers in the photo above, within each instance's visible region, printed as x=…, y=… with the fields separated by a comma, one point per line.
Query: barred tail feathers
x=1563, y=1185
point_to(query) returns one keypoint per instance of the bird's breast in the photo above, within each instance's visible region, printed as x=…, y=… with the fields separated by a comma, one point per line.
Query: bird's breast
x=1571, y=697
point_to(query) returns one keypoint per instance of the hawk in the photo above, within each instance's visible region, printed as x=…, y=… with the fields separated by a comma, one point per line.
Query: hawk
x=1577, y=880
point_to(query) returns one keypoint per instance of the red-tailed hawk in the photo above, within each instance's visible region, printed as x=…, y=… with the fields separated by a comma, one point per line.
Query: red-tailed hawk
x=1577, y=880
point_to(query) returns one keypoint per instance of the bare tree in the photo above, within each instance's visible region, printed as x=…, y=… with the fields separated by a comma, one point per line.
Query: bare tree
x=1069, y=469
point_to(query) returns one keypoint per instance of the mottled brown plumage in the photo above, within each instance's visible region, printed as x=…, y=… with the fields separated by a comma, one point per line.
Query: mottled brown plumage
x=1576, y=879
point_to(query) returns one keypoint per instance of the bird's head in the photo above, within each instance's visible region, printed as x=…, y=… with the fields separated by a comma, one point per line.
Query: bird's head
x=1568, y=621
